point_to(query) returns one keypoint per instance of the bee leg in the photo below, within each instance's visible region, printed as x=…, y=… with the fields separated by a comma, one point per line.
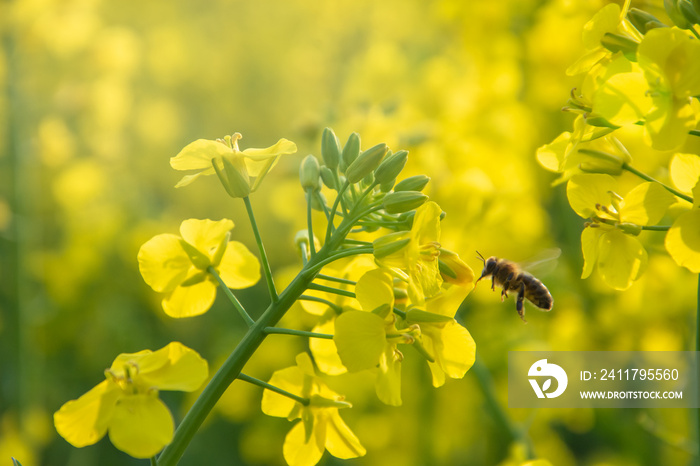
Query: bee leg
x=506, y=285
x=519, y=304
x=493, y=282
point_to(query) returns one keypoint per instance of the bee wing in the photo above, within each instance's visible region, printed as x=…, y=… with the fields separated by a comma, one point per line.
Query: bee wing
x=543, y=262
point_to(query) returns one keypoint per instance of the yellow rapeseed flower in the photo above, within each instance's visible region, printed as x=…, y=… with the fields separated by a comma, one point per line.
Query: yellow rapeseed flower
x=126, y=404
x=610, y=240
x=178, y=265
x=321, y=427
x=240, y=171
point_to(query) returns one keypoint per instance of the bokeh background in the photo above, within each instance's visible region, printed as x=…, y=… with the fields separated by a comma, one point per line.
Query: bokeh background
x=97, y=95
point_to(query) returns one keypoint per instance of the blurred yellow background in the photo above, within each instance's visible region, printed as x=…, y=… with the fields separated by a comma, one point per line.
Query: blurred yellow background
x=98, y=95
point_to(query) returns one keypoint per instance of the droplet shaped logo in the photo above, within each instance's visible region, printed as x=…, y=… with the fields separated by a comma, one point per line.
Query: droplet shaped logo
x=541, y=369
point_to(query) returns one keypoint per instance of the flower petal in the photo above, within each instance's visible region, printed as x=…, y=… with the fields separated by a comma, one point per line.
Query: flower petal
x=454, y=348
x=590, y=239
x=388, y=383
x=685, y=171
x=206, y=234
x=197, y=155
x=174, y=367
x=324, y=351
x=375, y=288
x=163, y=263
x=360, y=338
x=587, y=190
x=621, y=259
x=645, y=204
x=290, y=379
x=298, y=452
x=683, y=240
x=142, y=425
x=341, y=442
x=281, y=147
x=189, y=301
x=239, y=268
x=84, y=421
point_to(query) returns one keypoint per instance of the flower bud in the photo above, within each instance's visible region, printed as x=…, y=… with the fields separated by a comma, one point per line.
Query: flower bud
x=689, y=12
x=643, y=21
x=330, y=148
x=389, y=244
x=386, y=186
x=318, y=200
x=453, y=269
x=620, y=43
x=301, y=239
x=403, y=201
x=309, y=173
x=365, y=163
x=350, y=151
x=673, y=11
x=327, y=177
x=391, y=166
x=413, y=183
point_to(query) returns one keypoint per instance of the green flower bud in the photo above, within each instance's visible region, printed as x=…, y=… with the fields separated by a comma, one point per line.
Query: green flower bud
x=403, y=201
x=619, y=43
x=673, y=12
x=689, y=12
x=413, y=183
x=601, y=162
x=309, y=173
x=391, y=166
x=643, y=21
x=318, y=200
x=350, y=151
x=330, y=148
x=365, y=163
x=327, y=177
x=386, y=187
x=389, y=244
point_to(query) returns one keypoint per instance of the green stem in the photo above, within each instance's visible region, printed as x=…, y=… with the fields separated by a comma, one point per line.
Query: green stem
x=341, y=254
x=154, y=462
x=355, y=242
x=694, y=132
x=316, y=299
x=236, y=303
x=309, y=222
x=646, y=177
x=263, y=256
x=336, y=279
x=485, y=382
x=333, y=210
x=330, y=289
x=272, y=388
x=299, y=333
x=253, y=338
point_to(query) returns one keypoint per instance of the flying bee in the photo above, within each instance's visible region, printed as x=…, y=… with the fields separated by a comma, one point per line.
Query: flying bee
x=510, y=277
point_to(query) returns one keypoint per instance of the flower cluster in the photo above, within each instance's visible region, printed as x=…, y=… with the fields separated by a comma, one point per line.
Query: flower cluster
x=401, y=288
x=639, y=81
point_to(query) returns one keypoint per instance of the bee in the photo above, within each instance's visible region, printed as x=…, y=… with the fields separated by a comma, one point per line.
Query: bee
x=510, y=277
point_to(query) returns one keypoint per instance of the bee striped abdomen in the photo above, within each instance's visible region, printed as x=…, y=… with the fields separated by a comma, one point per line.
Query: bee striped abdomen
x=537, y=293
